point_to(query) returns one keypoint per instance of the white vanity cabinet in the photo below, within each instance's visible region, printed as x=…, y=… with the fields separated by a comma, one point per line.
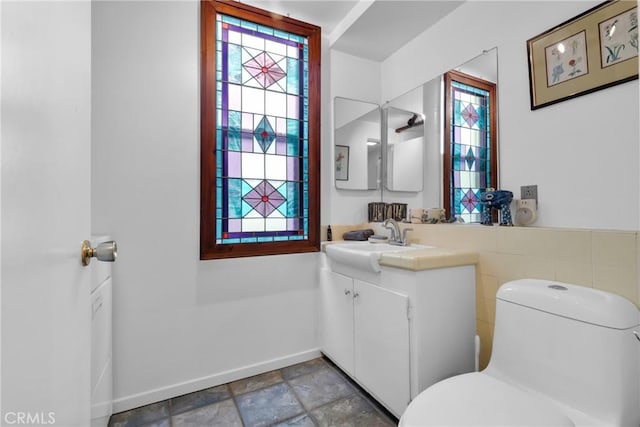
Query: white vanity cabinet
x=398, y=331
x=336, y=308
x=442, y=321
x=365, y=331
x=381, y=339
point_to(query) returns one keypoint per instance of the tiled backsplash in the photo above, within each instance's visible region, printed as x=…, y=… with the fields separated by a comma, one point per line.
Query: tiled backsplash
x=606, y=260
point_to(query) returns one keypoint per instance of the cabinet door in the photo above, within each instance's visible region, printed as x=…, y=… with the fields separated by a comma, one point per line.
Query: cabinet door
x=382, y=344
x=336, y=318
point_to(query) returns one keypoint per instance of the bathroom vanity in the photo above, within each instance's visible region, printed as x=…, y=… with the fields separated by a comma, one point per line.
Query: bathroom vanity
x=401, y=326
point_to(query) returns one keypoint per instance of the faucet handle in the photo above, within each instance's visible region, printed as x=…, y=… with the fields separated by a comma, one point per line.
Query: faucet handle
x=404, y=234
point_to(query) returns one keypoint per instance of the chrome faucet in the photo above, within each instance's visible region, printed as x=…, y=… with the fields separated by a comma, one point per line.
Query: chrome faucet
x=397, y=237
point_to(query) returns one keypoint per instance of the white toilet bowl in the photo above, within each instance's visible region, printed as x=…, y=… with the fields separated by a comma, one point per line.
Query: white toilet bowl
x=478, y=399
x=563, y=355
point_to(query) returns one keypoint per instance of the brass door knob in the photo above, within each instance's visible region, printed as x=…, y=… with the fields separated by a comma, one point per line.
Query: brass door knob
x=105, y=251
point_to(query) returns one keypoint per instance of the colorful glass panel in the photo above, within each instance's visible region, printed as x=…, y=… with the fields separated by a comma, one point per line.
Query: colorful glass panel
x=262, y=133
x=470, y=150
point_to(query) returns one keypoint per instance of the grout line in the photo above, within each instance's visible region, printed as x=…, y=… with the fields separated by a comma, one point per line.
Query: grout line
x=364, y=394
x=327, y=365
x=235, y=405
x=170, y=404
x=293, y=390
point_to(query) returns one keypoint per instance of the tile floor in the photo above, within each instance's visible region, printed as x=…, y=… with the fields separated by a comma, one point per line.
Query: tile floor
x=313, y=393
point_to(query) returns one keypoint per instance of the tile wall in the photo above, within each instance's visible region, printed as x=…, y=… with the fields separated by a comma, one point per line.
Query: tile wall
x=606, y=260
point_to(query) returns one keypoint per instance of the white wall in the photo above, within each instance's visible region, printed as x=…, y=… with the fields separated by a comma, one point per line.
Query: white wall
x=180, y=324
x=582, y=153
x=356, y=78
x=355, y=135
x=433, y=125
x=405, y=158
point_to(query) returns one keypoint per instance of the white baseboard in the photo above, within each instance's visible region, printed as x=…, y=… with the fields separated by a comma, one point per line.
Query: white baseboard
x=134, y=401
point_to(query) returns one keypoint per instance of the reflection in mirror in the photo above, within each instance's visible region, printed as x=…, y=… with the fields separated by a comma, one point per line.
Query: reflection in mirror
x=428, y=98
x=470, y=139
x=357, y=149
x=404, y=149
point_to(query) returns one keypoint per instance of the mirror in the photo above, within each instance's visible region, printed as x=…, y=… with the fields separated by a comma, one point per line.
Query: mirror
x=428, y=100
x=357, y=149
x=404, y=149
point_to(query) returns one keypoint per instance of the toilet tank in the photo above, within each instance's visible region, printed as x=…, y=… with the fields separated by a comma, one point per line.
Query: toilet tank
x=573, y=344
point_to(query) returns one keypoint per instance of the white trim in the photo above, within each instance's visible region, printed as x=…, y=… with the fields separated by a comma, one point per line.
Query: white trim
x=160, y=394
x=354, y=14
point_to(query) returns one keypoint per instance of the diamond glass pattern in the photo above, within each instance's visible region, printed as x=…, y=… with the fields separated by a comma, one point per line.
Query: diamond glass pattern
x=264, y=69
x=262, y=100
x=470, y=200
x=470, y=115
x=470, y=159
x=264, y=198
x=264, y=134
x=470, y=149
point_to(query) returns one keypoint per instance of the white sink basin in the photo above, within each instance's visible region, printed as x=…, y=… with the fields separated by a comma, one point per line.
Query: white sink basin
x=364, y=255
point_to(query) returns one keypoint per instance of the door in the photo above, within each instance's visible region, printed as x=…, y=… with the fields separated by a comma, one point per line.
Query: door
x=336, y=318
x=382, y=344
x=46, y=209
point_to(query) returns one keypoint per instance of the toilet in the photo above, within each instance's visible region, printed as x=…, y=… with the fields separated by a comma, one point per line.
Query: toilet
x=563, y=355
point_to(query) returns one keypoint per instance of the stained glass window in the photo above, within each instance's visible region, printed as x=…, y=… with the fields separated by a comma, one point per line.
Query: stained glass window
x=260, y=138
x=470, y=148
x=262, y=93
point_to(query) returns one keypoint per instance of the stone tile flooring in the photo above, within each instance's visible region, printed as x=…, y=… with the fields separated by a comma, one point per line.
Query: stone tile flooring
x=313, y=393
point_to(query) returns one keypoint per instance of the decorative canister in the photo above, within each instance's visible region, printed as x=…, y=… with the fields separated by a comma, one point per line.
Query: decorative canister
x=377, y=211
x=416, y=214
x=435, y=215
x=397, y=211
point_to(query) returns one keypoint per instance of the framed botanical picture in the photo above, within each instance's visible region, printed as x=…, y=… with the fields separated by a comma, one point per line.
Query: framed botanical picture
x=619, y=38
x=592, y=51
x=560, y=67
x=342, y=162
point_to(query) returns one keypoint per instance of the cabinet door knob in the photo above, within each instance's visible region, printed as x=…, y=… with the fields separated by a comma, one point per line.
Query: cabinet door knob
x=347, y=292
x=355, y=295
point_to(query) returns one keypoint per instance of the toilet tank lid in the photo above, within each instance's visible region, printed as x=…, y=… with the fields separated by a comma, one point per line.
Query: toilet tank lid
x=572, y=301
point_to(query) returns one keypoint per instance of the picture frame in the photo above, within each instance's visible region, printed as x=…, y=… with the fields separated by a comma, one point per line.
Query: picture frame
x=592, y=51
x=342, y=162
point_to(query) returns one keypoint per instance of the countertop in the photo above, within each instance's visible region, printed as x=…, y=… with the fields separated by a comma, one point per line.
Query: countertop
x=428, y=259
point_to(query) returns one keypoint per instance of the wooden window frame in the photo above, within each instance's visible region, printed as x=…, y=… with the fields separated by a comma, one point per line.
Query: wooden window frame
x=493, y=134
x=209, y=249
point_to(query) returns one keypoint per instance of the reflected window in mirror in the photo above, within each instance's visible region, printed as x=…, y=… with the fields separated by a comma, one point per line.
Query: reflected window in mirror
x=470, y=154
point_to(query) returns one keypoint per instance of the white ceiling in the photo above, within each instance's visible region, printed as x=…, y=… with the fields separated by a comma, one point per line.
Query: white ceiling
x=323, y=13
x=388, y=25
x=371, y=29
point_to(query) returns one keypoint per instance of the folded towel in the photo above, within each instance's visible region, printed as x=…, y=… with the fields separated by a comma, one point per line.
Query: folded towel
x=358, y=234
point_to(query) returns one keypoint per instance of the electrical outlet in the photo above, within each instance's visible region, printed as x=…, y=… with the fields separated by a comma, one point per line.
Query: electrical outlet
x=529, y=192
x=526, y=204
